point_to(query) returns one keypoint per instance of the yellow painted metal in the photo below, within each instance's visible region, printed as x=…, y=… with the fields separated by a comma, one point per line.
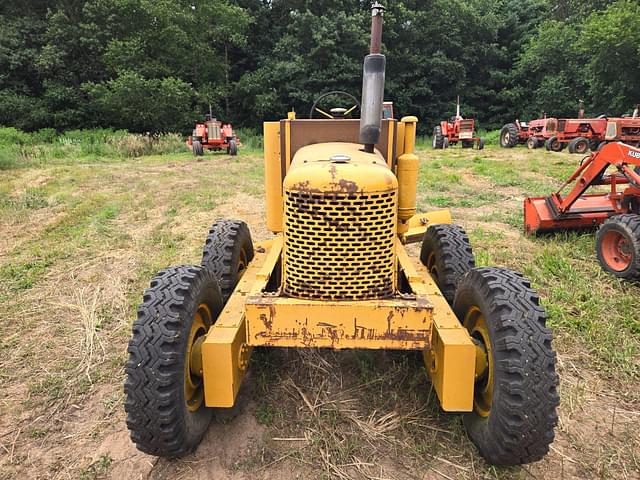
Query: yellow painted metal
x=225, y=352
x=400, y=139
x=339, y=224
x=391, y=143
x=287, y=144
x=476, y=324
x=451, y=361
x=313, y=169
x=291, y=115
x=407, y=171
x=419, y=223
x=273, y=176
x=399, y=322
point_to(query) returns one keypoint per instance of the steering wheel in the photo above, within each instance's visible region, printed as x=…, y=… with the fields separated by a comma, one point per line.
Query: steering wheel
x=335, y=112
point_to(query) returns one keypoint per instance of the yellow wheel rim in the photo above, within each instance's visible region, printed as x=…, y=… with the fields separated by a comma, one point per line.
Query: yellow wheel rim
x=431, y=265
x=476, y=324
x=193, y=391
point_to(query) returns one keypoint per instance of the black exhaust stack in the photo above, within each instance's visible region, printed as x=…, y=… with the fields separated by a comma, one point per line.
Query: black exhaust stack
x=373, y=84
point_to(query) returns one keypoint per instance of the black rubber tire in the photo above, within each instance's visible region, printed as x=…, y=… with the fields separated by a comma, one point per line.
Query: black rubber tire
x=520, y=425
x=480, y=144
x=157, y=415
x=445, y=143
x=552, y=144
x=533, y=143
x=467, y=144
x=437, y=139
x=197, y=148
x=579, y=145
x=227, y=251
x=628, y=225
x=509, y=135
x=594, y=144
x=447, y=253
x=233, y=148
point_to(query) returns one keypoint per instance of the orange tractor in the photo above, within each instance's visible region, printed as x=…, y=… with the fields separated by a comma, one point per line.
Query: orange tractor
x=214, y=135
x=456, y=129
x=616, y=212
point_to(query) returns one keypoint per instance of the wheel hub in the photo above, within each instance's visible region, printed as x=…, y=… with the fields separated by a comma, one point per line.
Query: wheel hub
x=616, y=251
x=193, y=391
x=483, y=392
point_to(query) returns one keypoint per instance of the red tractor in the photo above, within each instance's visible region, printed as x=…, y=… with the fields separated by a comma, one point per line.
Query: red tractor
x=533, y=133
x=582, y=134
x=457, y=129
x=616, y=212
x=213, y=135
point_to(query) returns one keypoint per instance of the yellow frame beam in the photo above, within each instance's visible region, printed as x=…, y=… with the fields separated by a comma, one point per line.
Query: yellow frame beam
x=420, y=321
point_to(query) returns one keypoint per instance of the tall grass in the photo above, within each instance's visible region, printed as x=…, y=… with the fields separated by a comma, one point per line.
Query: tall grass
x=20, y=149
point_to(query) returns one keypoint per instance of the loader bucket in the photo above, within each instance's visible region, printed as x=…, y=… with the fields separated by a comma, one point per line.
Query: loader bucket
x=541, y=215
x=537, y=216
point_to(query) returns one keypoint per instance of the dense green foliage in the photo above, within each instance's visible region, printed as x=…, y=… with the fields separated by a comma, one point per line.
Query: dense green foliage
x=157, y=65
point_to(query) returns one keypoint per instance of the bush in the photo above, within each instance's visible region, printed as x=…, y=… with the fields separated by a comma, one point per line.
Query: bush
x=250, y=139
x=11, y=136
x=44, y=135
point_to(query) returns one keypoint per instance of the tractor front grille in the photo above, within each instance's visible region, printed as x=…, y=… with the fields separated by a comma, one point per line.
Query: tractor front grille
x=339, y=246
x=466, y=125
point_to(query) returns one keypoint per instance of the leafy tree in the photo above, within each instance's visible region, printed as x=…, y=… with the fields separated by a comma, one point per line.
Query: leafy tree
x=610, y=42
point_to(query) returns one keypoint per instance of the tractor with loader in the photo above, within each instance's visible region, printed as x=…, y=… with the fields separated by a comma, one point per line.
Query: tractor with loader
x=456, y=130
x=615, y=212
x=213, y=135
x=341, y=203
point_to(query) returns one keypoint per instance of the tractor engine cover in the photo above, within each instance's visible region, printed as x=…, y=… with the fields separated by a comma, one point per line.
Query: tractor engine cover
x=340, y=220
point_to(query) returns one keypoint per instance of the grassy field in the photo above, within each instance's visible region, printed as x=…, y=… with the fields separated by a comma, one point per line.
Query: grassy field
x=82, y=233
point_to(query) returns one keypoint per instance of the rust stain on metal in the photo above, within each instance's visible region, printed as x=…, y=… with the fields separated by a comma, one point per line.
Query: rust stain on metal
x=268, y=322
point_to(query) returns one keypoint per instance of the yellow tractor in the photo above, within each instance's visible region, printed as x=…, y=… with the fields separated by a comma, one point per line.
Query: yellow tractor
x=341, y=202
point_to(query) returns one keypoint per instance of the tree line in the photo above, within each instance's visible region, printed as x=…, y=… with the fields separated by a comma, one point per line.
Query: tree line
x=158, y=65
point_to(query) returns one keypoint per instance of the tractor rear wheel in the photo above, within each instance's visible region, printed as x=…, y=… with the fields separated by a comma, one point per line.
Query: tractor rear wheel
x=554, y=145
x=618, y=246
x=515, y=397
x=164, y=392
x=509, y=135
x=594, y=144
x=447, y=254
x=445, y=143
x=438, y=139
x=227, y=252
x=480, y=144
x=579, y=145
x=233, y=148
x=197, y=148
x=533, y=143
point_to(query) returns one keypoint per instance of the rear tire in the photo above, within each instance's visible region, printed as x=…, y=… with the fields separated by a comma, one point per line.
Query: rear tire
x=618, y=246
x=164, y=401
x=509, y=135
x=447, y=254
x=437, y=140
x=445, y=143
x=197, y=148
x=480, y=144
x=515, y=400
x=227, y=252
x=594, y=144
